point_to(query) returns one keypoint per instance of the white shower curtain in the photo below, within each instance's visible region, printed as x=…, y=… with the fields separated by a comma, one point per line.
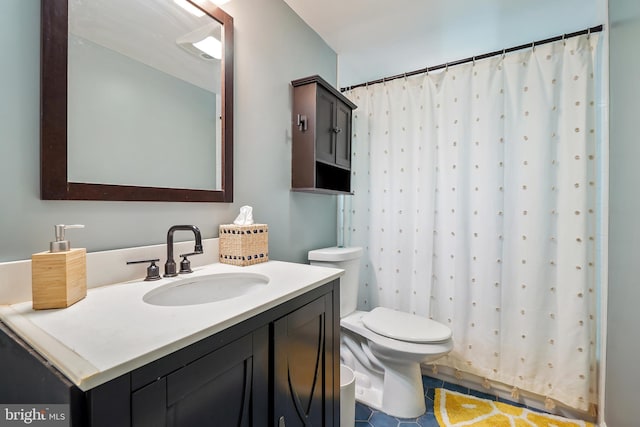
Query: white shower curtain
x=475, y=203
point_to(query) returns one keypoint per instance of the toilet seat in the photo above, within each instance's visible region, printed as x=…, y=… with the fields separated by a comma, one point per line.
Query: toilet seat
x=404, y=326
x=353, y=323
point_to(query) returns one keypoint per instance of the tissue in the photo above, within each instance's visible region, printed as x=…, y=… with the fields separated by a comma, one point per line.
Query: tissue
x=245, y=217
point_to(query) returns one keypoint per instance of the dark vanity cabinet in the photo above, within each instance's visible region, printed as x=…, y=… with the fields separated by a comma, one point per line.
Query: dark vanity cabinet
x=279, y=368
x=321, y=134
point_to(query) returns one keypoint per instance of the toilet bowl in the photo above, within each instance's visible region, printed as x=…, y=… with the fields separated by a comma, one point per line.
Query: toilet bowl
x=383, y=347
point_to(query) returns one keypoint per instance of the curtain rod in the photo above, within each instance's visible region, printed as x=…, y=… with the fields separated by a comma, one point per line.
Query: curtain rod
x=475, y=58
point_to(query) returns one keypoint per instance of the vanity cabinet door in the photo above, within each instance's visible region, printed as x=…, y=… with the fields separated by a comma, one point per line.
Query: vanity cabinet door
x=304, y=367
x=333, y=126
x=325, y=118
x=342, y=132
x=219, y=389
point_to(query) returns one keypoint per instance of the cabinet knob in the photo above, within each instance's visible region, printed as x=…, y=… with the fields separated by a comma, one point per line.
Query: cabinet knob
x=336, y=130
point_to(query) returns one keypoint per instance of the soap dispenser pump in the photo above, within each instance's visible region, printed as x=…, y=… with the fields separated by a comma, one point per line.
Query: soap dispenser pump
x=60, y=244
x=59, y=276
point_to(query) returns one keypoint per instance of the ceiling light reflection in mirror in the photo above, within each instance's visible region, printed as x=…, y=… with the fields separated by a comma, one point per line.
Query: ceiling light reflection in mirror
x=144, y=101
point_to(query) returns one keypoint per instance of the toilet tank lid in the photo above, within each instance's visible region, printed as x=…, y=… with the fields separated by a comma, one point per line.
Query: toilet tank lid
x=335, y=254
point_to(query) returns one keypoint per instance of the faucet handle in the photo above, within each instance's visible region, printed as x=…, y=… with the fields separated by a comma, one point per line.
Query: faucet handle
x=185, y=264
x=191, y=253
x=153, y=271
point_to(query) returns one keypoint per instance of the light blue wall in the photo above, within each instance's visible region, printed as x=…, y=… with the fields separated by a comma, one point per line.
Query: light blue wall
x=623, y=323
x=273, y=46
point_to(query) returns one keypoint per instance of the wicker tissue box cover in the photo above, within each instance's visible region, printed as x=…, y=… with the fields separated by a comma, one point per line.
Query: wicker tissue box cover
x=244, y=244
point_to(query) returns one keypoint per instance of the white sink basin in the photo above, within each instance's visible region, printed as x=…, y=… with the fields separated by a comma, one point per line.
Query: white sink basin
x=206, y=289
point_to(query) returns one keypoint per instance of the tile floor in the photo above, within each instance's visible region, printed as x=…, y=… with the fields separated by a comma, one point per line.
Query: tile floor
x=367, y=417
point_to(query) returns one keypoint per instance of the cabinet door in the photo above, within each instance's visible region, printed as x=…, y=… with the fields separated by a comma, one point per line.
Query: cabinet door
x=343, y=135
x=325, y=125
x=303, y=367
x=215, y=390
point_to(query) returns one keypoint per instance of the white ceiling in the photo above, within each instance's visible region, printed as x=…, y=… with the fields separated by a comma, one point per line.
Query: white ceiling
x=378, y=38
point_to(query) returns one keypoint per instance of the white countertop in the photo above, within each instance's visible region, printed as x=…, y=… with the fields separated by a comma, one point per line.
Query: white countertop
x=112, y=331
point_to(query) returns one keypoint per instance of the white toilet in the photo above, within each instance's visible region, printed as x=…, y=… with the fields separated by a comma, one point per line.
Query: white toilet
x=383, y=347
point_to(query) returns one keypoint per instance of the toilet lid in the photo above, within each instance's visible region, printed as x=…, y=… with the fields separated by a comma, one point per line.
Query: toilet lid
x=404, y=326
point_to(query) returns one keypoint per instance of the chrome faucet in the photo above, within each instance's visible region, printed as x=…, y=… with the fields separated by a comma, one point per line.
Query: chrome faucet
x=185, y=265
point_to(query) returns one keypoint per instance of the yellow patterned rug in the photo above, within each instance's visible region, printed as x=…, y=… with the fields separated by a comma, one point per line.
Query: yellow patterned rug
x=456, y=410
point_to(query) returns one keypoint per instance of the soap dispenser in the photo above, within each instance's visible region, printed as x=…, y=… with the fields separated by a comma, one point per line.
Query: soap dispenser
x=59, y=276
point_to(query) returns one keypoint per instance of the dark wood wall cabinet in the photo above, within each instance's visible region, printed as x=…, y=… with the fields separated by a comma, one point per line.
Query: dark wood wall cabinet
x=321, y=133
x=279, y=368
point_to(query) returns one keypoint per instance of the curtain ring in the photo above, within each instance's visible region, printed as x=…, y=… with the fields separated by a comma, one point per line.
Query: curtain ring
x=446, y=67
x=533, y=46
x=564, y=41
x=504, y=53
x=405, y=77
x=474, y=61
x=588, y=33
x=426, y=71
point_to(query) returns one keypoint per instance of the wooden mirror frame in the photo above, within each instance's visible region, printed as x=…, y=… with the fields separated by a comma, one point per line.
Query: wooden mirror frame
x=54, y=183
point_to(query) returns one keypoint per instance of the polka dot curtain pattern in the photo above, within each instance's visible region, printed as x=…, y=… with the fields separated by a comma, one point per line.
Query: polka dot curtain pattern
x=475, y=201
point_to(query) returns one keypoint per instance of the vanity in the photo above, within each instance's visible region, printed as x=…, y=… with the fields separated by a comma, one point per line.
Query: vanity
x=267, y=356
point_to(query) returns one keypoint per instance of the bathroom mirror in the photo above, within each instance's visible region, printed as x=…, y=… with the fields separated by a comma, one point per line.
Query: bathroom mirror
x=133, y=107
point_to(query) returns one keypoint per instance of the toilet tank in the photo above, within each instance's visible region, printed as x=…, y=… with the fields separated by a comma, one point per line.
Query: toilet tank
x=347, y=259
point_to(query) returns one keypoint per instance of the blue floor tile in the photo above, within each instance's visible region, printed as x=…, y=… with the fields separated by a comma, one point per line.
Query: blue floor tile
x=428, y=420
x=429, y=382
x=430, y=395
x=363, y=412
x=380, y=419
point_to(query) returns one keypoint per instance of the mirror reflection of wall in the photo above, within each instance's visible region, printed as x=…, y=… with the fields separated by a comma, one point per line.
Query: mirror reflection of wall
x=143, y=102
